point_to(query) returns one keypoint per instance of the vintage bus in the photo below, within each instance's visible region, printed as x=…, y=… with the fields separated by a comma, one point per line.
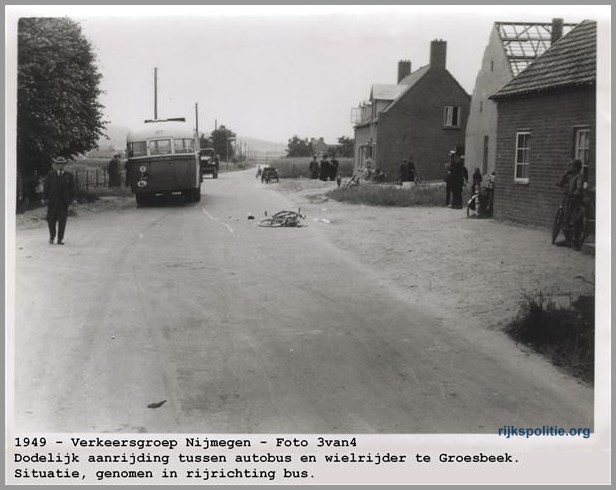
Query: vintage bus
x=163, y=158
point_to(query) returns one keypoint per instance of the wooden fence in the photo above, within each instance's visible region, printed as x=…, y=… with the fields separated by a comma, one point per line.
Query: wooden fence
x=87, y=178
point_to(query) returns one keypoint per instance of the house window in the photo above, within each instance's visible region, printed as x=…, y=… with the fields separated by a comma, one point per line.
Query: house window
x=452, y=116
x=582, y=146
x=481, y=106
x=491, y=65
x=522, y=156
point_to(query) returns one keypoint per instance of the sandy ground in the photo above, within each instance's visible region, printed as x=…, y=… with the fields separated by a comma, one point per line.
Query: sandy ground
x=473, y=273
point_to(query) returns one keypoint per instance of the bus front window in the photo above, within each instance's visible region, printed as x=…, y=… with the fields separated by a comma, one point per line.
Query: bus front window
x=160, y=147
x=184, y=145
x=137, y=149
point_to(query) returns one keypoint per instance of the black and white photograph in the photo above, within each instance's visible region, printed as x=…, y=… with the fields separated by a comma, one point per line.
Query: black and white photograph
x=341, y=222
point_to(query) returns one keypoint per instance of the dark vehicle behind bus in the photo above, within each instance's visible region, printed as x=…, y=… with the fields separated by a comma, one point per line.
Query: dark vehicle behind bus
x=208, y=162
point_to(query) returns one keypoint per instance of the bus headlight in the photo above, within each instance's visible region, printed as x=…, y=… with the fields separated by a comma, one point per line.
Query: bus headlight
x=142, y=183
x=142, y=169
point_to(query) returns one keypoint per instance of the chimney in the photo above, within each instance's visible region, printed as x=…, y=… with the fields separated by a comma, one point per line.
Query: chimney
x=438, y=53
x=404, y=69
x=557, y=30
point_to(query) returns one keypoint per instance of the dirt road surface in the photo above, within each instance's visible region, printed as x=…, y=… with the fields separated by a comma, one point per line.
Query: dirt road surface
x=238, y=328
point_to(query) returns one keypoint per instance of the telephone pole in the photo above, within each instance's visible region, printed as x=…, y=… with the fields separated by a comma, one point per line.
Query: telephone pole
x=155, y=93
x=197, y=118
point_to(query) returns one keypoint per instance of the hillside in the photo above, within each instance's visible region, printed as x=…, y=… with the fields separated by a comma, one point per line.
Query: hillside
x=116, y=141
x=262, y=146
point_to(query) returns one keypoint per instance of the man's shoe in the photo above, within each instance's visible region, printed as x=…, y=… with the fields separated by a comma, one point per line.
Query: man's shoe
x=51, y=241
x=60, y=242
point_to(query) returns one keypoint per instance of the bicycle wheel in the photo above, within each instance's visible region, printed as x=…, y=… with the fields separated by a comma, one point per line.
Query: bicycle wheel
x=558, y=221
x=472, y=207
x=579, y=232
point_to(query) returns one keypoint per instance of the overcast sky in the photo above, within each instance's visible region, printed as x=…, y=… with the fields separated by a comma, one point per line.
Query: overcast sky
x=273, y=72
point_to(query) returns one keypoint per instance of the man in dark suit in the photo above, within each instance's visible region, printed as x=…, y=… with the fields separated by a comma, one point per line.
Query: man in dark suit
x=333, y=168
x=59, y=192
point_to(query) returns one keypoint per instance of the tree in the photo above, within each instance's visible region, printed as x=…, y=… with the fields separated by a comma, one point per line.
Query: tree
x=58, y=85
x=205, y=141
x=297, y=147
x=222, y=140
x=346, y=147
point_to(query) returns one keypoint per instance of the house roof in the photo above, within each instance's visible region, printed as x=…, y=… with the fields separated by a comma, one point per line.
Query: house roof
x=385, y=92
x=407, y=83
x=569, y=62
x=523, y=42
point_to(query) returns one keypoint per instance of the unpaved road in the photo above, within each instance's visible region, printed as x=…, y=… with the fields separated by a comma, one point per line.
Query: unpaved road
x=248, y=329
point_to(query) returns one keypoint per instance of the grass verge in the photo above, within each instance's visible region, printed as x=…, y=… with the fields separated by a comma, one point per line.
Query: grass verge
x=564, y=334
x=392, y=195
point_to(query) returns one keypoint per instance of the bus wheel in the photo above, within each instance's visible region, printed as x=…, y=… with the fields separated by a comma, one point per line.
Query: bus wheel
x=197, y=195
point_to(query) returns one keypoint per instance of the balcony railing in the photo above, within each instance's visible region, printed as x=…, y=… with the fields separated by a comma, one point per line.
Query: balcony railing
x=361, y=114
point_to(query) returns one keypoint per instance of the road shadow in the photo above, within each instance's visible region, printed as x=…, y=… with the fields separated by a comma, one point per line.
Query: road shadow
x=166, y=201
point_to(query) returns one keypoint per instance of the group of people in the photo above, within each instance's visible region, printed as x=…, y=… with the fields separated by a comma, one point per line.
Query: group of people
x=374, y=174
x=324, y=170
x=59, y=187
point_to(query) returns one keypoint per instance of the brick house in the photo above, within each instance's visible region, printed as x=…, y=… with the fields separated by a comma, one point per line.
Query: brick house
x=423, y=116
x=512, y=46
x=546, y=117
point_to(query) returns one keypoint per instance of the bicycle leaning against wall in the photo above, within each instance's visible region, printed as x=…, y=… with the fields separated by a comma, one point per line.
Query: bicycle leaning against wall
x=574, y=216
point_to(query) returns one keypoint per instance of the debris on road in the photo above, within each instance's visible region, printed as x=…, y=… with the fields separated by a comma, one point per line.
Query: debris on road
x=157, y=404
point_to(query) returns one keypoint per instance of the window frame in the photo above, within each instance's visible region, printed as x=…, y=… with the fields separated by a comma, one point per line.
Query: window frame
x=183, y=149
x=133, y=145
x=576, y=147
x=155, y=142
x=526, y=151
x=448, y=116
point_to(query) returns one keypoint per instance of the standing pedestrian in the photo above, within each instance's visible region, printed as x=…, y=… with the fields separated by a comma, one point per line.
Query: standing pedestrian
x=403, y=171
x=459, y=177
x=411, y=170
x=333, y=168
x=113, y=170
x=477, y=178
x=59, y=193
x=324, y=169
x=313, y=166
x=126, y=174
x=447, y=179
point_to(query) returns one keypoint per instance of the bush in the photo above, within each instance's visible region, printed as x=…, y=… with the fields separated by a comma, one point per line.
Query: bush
x=393, y=195
x=293, y=167
x=566, y=335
